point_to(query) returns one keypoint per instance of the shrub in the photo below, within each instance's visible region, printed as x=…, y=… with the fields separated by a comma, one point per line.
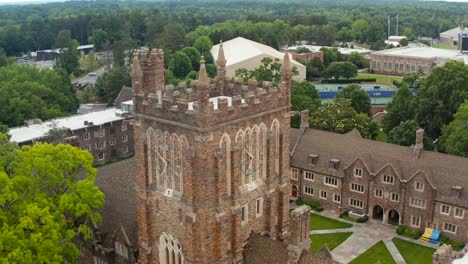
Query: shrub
x=360, y=80
x=408, y=232
x=345, y=215
x=456, y=244
x=314, y=205
x=362, y=219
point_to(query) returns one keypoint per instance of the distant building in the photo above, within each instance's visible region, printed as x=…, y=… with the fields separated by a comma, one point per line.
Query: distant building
x=451, y=37
x=394, y=40
x=344, y=51
x=393, y=184
x=400, y=61
x=107, y=134
x=248, y=54
x=52, y=54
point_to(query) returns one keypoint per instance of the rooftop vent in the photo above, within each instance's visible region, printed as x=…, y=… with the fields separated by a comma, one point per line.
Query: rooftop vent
x=334, y=164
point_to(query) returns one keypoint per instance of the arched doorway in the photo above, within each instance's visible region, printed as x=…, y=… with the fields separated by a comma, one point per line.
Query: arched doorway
x=294, y=191
x=377, y=213
x=393, y=217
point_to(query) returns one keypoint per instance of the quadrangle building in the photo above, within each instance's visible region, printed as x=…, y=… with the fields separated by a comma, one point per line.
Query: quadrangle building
x=390, y=183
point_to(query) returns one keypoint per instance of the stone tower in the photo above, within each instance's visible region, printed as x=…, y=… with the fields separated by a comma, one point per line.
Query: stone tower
x=212, y=162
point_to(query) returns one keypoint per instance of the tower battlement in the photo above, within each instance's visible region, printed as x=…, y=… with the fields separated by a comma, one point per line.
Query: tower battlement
x=207, y=102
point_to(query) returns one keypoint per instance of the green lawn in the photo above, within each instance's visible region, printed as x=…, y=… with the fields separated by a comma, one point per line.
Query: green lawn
x=413, y=253
x=380, y=78
x=332, y=240
x=318, y=222
x=377, y=252
x=443, y=46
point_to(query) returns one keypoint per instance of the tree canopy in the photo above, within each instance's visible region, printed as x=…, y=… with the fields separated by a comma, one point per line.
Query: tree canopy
x=360, y=100
x=269, y=70
x=109, y=85
x=337, y=70
x=404, y=134
x=48, y=199
x=304, y=96
x=401, y=108
x=454, y=139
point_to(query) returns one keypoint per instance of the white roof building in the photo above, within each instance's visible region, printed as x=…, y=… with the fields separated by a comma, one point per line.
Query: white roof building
x=243, y=53
x=36, y=131
x=440, y=56
x=344, y=51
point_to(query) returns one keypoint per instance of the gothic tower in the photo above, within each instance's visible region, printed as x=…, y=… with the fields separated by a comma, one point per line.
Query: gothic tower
x=212, y=162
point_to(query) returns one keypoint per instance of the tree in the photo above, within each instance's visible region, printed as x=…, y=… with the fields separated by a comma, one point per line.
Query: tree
x=109, y=85
x=403, y=42
x=360, y=100
x=336, y=70
x=49, y=198
x=340, y=117
x=63, y=39
x=3, y=58
x=69, y=59
x=56, y=135
x=360, y=28
x=171, y=38
x=454, y=138
x=404, y=134
x=330, y=55
x=194, y=56
x=414, y=79
x=118, y=55
x=27, y=92
x=180, y=65
x=98, y=38
x=269, y=70
x=440, y=95
x=204, y=44
x=314, y=68
x=303, y=50
x=401, y=108
x=344, y=35
x=357, y=59
x=304, y=96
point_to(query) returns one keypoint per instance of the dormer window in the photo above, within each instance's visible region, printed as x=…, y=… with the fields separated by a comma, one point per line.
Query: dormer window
x=456, y=191
x=357, y=172
x=333, y=164
x=388, y=179
x=312, y=159
x=419, y=186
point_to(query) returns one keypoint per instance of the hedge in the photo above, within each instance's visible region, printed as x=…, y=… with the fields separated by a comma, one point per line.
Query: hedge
x=456, y=244
x=408, y=232
x=314, y=205
x=345, y=215
x=360, y=80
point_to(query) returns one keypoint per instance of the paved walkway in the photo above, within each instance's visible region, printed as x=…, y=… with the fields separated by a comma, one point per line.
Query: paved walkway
x=364, y=236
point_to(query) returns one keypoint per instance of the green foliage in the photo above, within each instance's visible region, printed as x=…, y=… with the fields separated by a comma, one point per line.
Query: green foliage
x=304, y=96
x=408, y=232
x=118, y=54
x=48, y=198
x=203, y=45
x=340, y=117
x=414, y=79
x=454, y=138
x=314, y=68
x=360, y=100
x=194, y=56
x=27, y=92
x=109, y=85
x=330, y=55
x=314, y=205
x=269, y=70
x=357, y=59
x=99, y=38
x=69, y=59
x=180, y=65
x=404, y=134
x=336, y=70
x=171, y=38
x=401, y=108
x=63, y=39
x=303, y=50
x=362, y=219
x=412, y=252
x=318, y=222
x=3, y=58
x=456, y=244
x=440, y=95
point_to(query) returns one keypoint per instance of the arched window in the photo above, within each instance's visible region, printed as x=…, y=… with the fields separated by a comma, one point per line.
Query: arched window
x=275, y=129
x=170, y=250
x=225, y=146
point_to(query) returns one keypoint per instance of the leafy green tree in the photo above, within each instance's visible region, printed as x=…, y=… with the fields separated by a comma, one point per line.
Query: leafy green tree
x=63, y=39
x=180, y=65
x=404, y=134
x=98, y=38
x=304, y=96
x=344, y=35
x=118, y=55
x=340, y=117
x=440, y=95
x=109, y=85
x=336, y=70
x=69, y=59
x=194, y=56
x=314, y=68
x=360, y=100
x=414, y=79
x=48, y=199
x=454, y=138
x=303, y=50
x=357, y=59
x=27, y=92
x=404, y=42
x=330, y=55
x=401, y=108
x=204, y=44
x=3, y=58
x=359, y=29
x=172, y=38
x=269, y=70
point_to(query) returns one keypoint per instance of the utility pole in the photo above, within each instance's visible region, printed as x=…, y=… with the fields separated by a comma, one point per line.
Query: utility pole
x=388, y=31
x=397, y=17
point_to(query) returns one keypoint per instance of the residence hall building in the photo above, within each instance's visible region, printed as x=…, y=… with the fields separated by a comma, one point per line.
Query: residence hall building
x=390, y=183
x=404, y=60
x=107, y=134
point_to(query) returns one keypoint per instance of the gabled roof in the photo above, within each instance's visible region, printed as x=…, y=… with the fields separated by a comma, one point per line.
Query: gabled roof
x=240, y=49
x=453, y=33
x=125, y=94
x=442, y=170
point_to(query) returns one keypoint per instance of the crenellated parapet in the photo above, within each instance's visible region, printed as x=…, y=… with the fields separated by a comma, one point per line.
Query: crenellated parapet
x=205, y=102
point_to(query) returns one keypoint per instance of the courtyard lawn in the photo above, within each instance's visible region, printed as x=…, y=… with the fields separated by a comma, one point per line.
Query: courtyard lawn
x=332, y=240
x=318, y=222
x=413, y=253
x=380, y=78
x=443, y=46
x=377, y=252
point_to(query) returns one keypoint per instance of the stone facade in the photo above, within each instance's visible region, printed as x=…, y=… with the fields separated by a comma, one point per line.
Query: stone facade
x=446, y=255
x=389, y=183
x=212, y=163
x=399, y=65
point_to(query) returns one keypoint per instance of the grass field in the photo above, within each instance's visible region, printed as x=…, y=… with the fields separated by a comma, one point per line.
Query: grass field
x=377, y=252
x=332, y=240
x=413, y=253
x=380, y=78
x=318, y=222
x=443, y=46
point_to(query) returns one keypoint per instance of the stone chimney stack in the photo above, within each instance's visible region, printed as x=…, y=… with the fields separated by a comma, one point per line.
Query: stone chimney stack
x=305, y=119
x=299, y=239
x=419, y=145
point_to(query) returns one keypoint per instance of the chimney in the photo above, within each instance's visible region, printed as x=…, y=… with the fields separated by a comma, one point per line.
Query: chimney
x=305, y=119
x=419, y=142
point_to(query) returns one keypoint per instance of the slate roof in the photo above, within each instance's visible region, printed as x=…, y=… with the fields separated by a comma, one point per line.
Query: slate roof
x=125, y=94
x=442, y=170
x=117, y=182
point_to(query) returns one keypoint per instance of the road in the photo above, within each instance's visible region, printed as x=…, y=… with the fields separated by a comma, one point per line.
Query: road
x=89, y=80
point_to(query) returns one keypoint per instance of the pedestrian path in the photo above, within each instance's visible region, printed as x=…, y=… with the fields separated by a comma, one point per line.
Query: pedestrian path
x=394, y=251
